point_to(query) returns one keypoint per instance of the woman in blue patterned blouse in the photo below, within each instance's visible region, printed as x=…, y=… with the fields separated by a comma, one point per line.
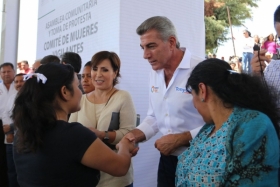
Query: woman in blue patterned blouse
x=239, y=144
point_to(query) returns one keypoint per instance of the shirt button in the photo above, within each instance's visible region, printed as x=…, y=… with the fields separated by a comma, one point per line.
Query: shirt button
x=169, y=130
x=166, y=114
x=165, y=98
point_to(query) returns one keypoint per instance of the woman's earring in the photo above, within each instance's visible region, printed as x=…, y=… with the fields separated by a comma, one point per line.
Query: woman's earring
x=202, y=100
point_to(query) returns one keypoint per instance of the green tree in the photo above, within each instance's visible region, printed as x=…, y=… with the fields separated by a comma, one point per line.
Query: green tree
x=216, y=19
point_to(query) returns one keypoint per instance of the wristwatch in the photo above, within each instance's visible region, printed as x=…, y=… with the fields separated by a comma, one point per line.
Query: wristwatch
x=106, y=137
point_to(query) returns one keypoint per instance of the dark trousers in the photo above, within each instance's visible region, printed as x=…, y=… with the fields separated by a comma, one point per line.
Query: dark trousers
x=12, y=174
x=3, y=162
x=166, y=171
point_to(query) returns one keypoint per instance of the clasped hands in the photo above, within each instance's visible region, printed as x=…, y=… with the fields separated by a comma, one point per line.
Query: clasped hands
x=127, y=142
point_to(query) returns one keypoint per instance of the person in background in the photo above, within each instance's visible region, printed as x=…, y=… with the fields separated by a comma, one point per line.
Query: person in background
x=36, y=65
x=271, y=73
x=8, y=128
x=257, y=45
x=239, y=143
x=49, y=151
x=49, y=58
x=7, y=89
x=74, y=60
x=170, y=107
x=87, y=83
x=271, y=46
x=19, y=69
x=25, y=67
x=248, y=44
x=232, y=65
x=238, y=64
x=107, y=111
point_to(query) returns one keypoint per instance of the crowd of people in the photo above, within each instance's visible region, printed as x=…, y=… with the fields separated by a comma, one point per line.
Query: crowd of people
x=252, y=45
x=223, y=130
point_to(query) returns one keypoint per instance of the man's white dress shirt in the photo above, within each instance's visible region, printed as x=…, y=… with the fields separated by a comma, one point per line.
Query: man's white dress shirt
x=171, y=109
x=7, y=102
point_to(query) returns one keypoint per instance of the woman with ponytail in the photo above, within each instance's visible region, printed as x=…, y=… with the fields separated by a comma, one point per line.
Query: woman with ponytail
x=49, y=151
x=239, y=144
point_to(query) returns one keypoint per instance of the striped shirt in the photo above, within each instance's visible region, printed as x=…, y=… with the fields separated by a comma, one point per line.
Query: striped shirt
x=272, y=77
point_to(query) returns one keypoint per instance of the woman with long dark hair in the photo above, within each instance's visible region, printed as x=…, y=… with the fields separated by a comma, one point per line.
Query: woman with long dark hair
x=49, y=151
x=239, y=144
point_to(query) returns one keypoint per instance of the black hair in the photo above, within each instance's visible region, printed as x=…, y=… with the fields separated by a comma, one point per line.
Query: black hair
x=73, y=59
x=235, y=89
x=277, y=15
x=19, y=74
x=35, y=104
x=7, y=64
x=25, y=61
x=49, y=58
x=249, y=33
x=88, y=64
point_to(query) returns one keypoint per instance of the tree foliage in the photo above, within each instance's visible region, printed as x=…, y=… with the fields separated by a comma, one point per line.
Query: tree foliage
x=216, y=19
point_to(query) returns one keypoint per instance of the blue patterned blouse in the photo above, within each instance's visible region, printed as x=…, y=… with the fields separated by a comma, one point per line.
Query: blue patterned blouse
x=243, y=152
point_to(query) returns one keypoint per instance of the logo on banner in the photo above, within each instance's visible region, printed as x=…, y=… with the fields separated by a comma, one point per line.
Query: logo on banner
x=182, y=90
x=154, y=89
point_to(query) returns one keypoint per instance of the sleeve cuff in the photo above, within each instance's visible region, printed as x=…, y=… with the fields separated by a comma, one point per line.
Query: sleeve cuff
x=195, y=131
x=147, y=130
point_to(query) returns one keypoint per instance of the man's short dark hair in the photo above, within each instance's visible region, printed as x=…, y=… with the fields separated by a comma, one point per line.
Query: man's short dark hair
x=19, y=74
x=25, y=61
x=49, y=58
x=88, y=64
x=277, y=15
x=7, y=64
x=73, y=59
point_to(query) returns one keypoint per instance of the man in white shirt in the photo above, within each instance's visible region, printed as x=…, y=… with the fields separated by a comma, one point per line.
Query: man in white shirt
x=6, y=90
x=8, y=129
x=171, y=110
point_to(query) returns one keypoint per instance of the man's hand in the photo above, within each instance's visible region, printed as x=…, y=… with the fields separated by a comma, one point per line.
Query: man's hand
x=10, y=138
x=169, y=143
x=137, y=136
x=256, y=65
x=130, y=136
x=133, y=149
x=6, y=128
